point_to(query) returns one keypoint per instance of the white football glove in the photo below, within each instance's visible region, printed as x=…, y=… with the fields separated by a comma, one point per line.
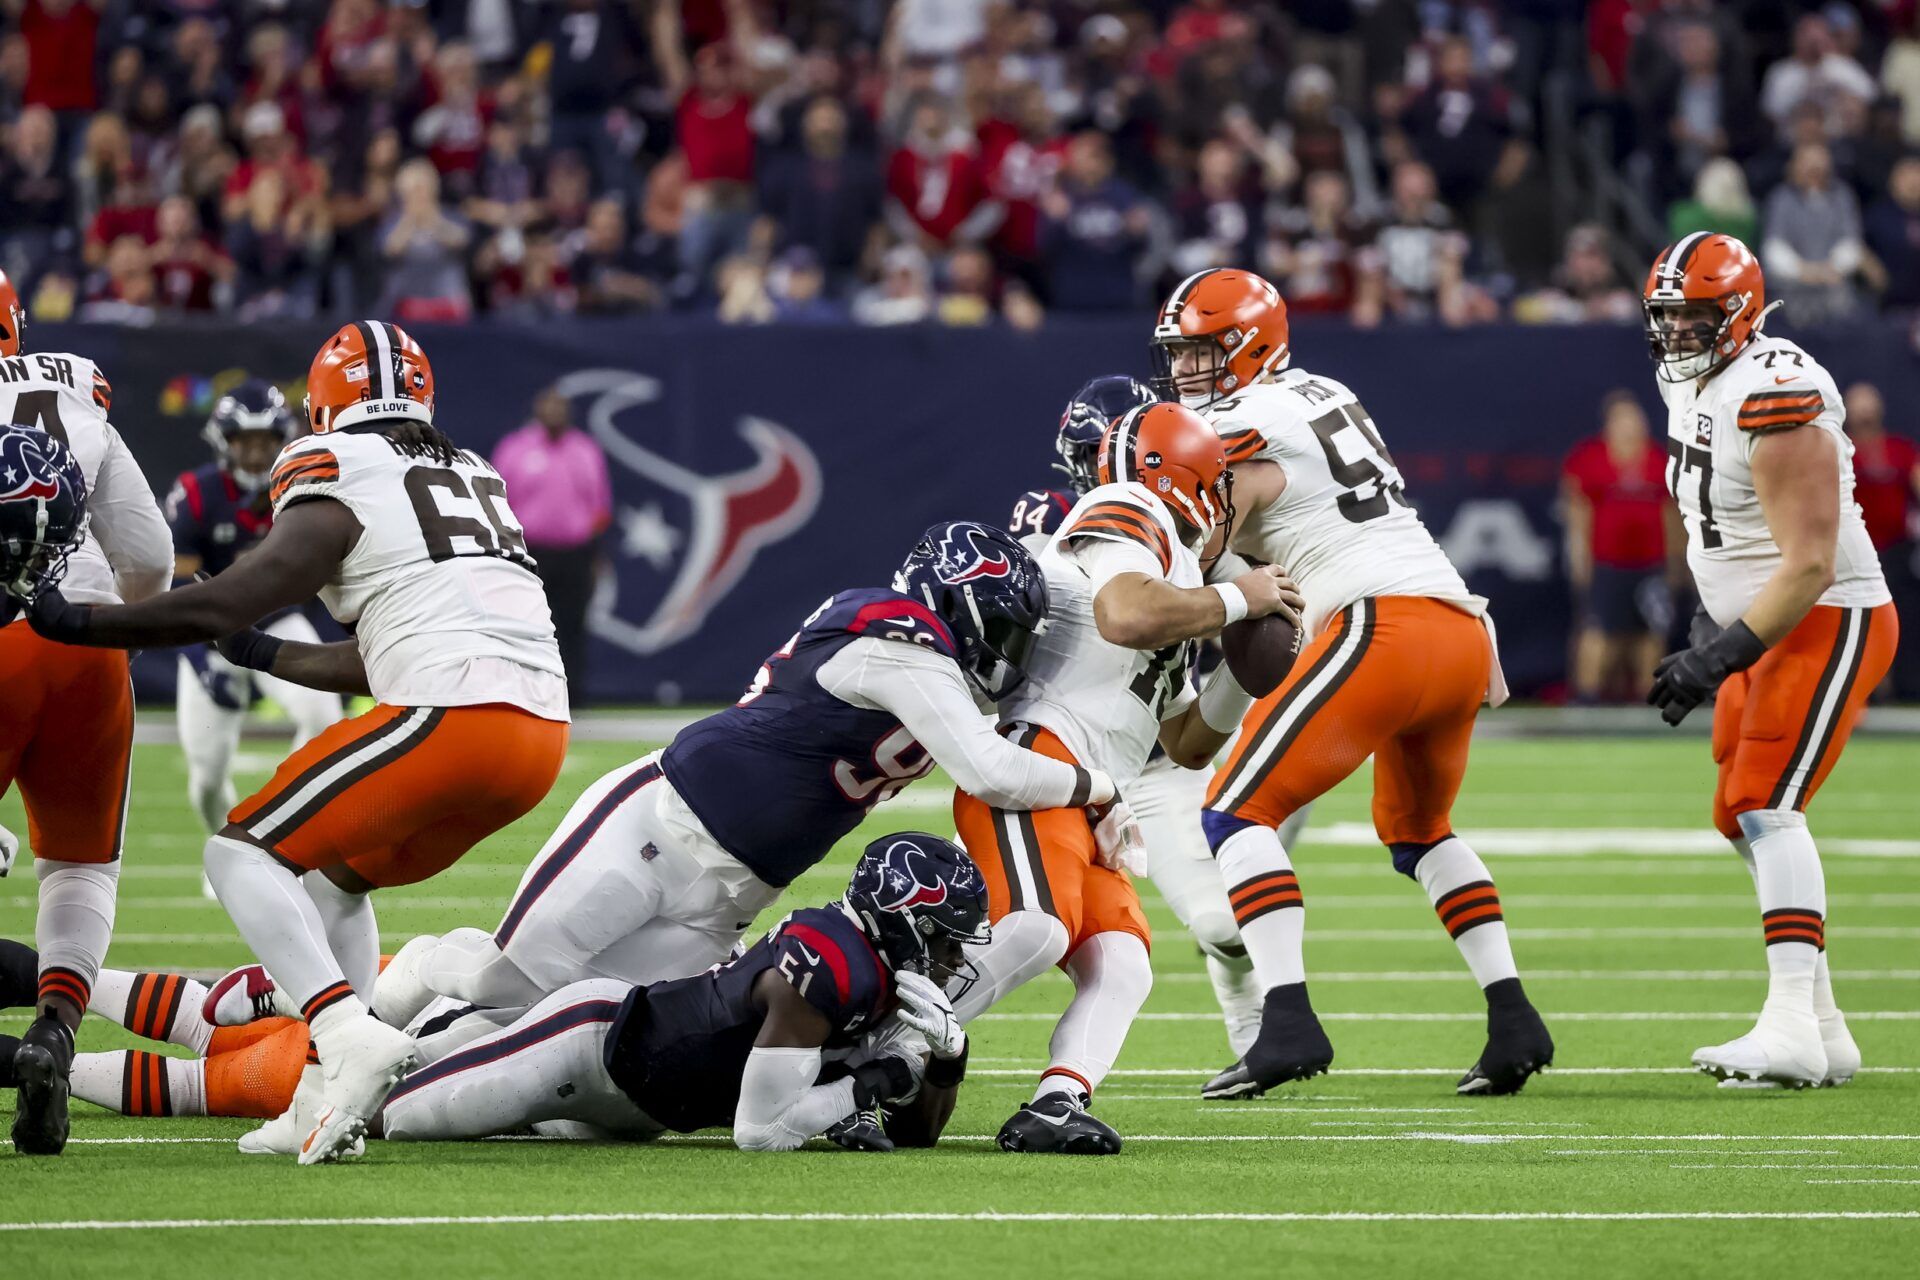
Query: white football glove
x=9, y=846
x=925, y=1008
x=1118, y=842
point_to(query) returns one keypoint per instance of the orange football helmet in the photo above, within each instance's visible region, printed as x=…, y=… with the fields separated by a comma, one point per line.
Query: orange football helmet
x=1237, y=322
x=1704, y=301
x=369, y=369
x=1179, y=458
x=13, y=317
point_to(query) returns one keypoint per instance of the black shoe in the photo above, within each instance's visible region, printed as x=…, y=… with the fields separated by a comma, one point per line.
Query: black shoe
x=40, y=1068
x=1291, y=1046
x=1058, y=1123
x=1517, y=1043
x=861, y=1131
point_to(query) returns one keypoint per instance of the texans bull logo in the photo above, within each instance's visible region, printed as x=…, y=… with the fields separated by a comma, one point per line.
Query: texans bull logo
x=27, y=472
x=961, y=559
x=904, y=887
x=732, y=516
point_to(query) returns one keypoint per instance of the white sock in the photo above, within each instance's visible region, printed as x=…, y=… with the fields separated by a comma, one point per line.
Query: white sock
x=1025, y=945
x=136, y=1082
x=75, y=924
x=1240, y=997
x=159, y=1006
x=1793, y=903
x=352, y=932
x=1267, y=905
x=278, y=922
x=1463, y=895
x=1112, y=978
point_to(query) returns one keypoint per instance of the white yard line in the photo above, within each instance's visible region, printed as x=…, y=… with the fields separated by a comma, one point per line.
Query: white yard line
x=1856, y=1182
x=1457, y=974
x=1206, y=1072
x=1414, y=1135
x=1797, y=1168
x=1866, y=1015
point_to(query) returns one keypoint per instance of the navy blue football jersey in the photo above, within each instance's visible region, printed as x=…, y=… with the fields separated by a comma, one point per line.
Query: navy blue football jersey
x=1040, y=511
x=214, y=518
x=781, y=775
x=679, y=1048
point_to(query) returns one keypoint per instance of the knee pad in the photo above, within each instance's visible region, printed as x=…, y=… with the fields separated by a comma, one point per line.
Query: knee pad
x=1220, y=827
x=1755, y=823
x=1407, y=853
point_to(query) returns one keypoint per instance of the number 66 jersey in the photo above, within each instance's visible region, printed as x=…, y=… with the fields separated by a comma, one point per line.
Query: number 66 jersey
x=438, y=588
x=1711, y=432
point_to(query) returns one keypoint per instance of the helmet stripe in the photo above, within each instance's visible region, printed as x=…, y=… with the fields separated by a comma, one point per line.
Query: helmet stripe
x=379, y=359
x=1684, y=251
x=1125, y=436
x=1179, y=297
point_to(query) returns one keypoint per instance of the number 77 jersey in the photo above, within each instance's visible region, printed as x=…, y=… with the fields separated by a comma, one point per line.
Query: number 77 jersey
x=1343, y=527
x=439, y=587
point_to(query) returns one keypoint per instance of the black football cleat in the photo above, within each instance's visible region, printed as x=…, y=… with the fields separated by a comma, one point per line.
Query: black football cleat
x=861, y=1131
x=1291, y=1046
x=1517, y=1044
x=1058, y=1124
x=40, y=1068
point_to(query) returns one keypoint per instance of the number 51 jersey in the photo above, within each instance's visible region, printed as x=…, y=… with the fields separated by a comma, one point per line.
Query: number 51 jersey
x=439, y=588
x=1343, y=528
x=1711, y=432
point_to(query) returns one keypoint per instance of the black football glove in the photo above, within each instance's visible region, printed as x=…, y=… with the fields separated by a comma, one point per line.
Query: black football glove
x=55, y=617
x=1703, y=629
x=1684, y=680
x=253, y=649
x=881, y=1080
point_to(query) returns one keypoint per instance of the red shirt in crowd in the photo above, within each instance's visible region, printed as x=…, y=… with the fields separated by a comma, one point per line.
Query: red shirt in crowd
x=1883, y=486
x=1015, y=172
x=116, y=220
x=183, y=283
x=60, y=55
x=1629, y=504
x=716, y=136
x=937, y=191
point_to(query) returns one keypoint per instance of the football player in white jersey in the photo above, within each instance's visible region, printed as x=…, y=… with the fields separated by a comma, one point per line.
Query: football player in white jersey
x=1110, y=677
x=1796, y=624
x=66, y=717
x=1398, y=659
x=410, y=539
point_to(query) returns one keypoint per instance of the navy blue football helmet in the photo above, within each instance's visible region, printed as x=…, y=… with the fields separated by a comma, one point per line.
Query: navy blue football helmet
x=1092, y=410
x=43, y=509
x=920, y=898
x=988, y=590
x=252, y=405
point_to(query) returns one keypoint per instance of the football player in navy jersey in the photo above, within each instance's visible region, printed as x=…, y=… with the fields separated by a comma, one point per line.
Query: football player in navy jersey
x=218, y=513
x=663, y=863
x=1103, y=401
x=837, y=1008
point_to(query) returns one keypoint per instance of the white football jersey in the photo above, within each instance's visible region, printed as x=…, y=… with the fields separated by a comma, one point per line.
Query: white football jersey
x=439, y=587
x=1343, y=528
x=65, y=396
x=1103, y=701
x=1711, y=432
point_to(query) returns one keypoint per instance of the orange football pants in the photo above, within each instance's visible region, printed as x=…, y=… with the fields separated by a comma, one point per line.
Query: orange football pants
x=1044, y=860
x=400, y=793
x=1398, y=678
x=1780, y=725
x=66, y=736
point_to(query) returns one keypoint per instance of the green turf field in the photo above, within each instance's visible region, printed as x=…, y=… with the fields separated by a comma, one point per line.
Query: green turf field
x=1638, y=947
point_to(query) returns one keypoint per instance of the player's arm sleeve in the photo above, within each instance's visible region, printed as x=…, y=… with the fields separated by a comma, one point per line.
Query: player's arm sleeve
x=781, y=1106
x=925, y=691
x=127, y=521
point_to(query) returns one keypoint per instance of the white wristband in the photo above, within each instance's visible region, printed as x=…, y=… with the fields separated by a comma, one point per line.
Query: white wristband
x=1223, y=703
x=1234, y=599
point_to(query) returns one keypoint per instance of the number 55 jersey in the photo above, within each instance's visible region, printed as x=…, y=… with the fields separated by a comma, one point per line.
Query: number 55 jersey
x=1711, y=432
x=439, y=588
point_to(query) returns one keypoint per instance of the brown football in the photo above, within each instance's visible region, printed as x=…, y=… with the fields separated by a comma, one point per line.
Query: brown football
x=1260, y=652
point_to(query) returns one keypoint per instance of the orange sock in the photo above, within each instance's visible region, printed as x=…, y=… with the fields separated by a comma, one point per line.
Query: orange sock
x=234, y=1039
x=258, y=1081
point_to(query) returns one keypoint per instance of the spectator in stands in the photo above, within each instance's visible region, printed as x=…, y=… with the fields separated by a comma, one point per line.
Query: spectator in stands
x=1886, y=469
x=186, y=269
x=713, y=126
x=1319, y=135
x=271, y=149
x=1217, y=219
x=1621, y=552
x=38, y=196
x=1813, y=246
x=197, y=64
x=1310, y=250
x=1892, y=228
x=1587, y=287
x=424, y=247
x=453, y=131
x=1701, y=109
x=1093, y=225
x=1020, y=152
x=557, y=474
x=130, y=210
x=13, y=76
x=824, y=197
x=201, y=163
x=536, y=285
x=105, y=153
x=593, y=43
x=1900, y=73
x=796, y=286
x=273, y=245
x=1462, y=125
x=904, y=293
x=607, y=272
x=1817, y=72
x=270, y=57
x=150, y=125
x=62, y=40
x=1415, y=266
x=121, y=292
x=1720, y=203
x=937, y=194
x=505, y=197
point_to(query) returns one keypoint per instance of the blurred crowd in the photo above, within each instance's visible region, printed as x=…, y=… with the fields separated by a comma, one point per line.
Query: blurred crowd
x=957, y=161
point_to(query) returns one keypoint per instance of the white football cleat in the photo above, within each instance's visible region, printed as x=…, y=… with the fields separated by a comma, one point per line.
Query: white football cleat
x=360, y=1064
x=1783, y=1048
x=1843, y=1055
x=242, y=996
x=281, y=1135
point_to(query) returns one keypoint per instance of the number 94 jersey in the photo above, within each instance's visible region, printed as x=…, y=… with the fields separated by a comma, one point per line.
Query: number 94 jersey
x=1343, y=528
x=439, y=588
x=1711, y=432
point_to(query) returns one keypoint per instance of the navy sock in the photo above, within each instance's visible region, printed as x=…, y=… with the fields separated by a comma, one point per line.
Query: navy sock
x=19, y=975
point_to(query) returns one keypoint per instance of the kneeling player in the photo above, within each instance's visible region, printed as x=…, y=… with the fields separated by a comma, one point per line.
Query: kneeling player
x=746, y=1042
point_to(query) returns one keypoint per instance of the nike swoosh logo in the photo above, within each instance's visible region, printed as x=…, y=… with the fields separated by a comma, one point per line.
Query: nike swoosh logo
x=1055, y=1121
x=1792, y=377
x=811, y=958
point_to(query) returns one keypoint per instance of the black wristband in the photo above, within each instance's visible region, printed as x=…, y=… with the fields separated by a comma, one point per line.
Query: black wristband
x=947, y=1073
x=1737, y=648
x=252, y=648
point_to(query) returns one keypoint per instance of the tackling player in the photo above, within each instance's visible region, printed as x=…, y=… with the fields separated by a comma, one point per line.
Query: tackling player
x=1399, y=657
x=874, y=690
x=1111, y=677
x=744, y=1043
x=1796, y=624
x=218, y=513
x=411, y=539
x=72, y=499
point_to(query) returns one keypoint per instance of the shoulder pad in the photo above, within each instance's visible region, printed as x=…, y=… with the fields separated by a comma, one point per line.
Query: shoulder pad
x=1778, y=385
x=887, y=615
x=831, y=964
x=1122, y=513
x=306, y=468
